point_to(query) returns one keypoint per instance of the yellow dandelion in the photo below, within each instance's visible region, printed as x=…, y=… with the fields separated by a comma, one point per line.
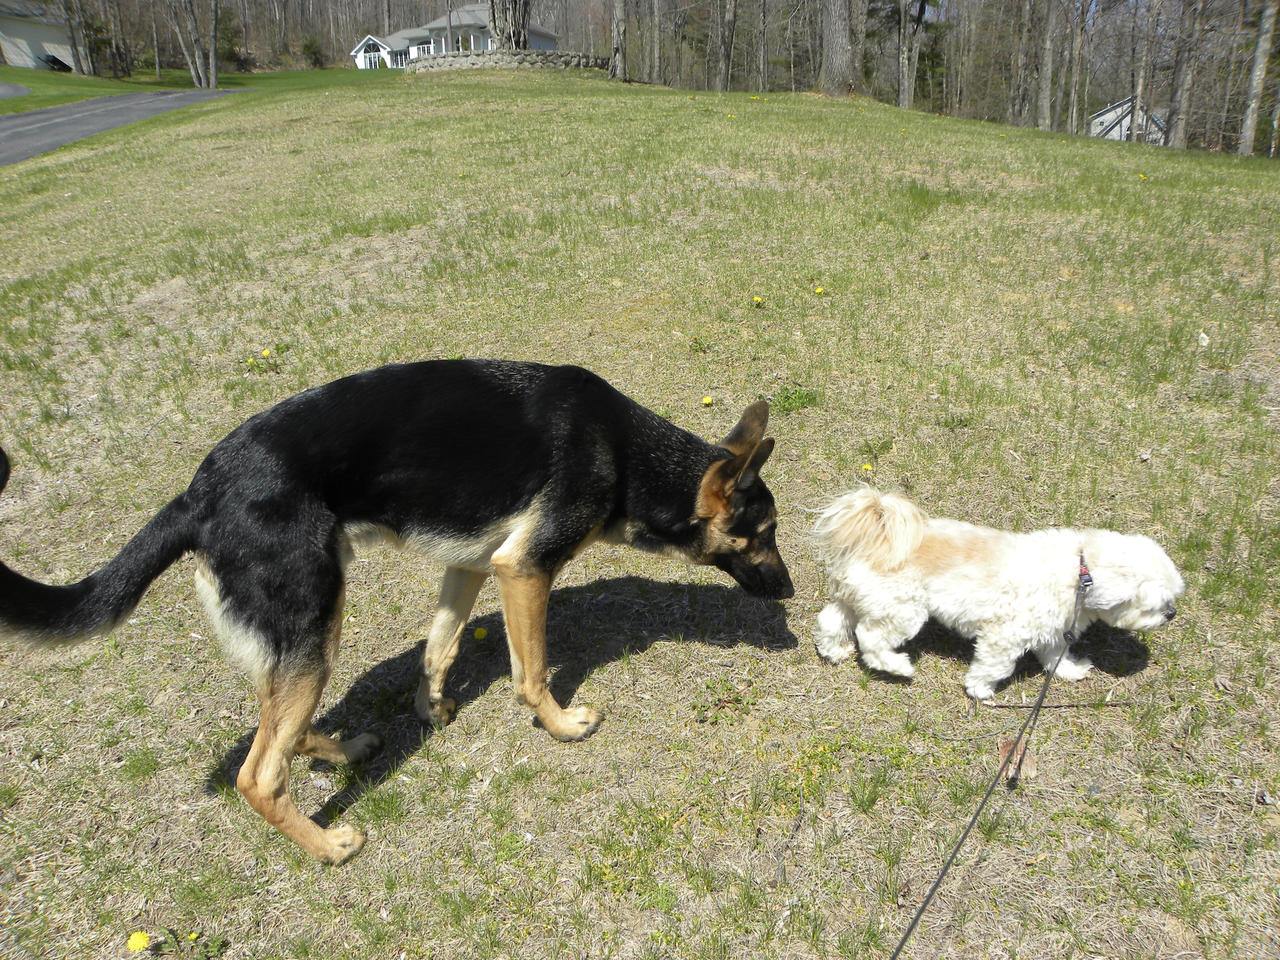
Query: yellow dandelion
x=266, y=353
x=250, y=360
x=481, y=633
x=818, y=290
x=138, y=940
x=707, y=401
x=192, y=936
x=866, y=466
x=757, y=299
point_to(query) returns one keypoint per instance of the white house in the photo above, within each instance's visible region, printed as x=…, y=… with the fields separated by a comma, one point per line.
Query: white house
x=35, y=35
x=465, y=28
x=1113, y=122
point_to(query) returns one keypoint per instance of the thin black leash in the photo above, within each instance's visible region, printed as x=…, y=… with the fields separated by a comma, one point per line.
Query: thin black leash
x=1022, y=739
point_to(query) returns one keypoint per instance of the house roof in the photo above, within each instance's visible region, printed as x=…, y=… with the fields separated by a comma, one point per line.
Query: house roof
x=1122, y=111
x=474, y=15
x=33, y=10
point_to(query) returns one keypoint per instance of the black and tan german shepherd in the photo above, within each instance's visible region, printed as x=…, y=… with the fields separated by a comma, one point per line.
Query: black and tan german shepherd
x=489, y=466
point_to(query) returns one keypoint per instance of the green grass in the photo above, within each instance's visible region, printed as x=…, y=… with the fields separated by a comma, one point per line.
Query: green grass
x=1015, y=328
x=50, y=89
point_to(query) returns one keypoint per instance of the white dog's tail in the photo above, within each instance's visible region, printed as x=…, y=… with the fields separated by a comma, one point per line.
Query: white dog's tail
x=880, y=530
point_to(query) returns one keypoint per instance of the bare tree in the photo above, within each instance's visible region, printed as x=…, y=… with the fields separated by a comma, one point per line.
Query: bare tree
x=618, y=41
x=71, y=30
x=1018, y=89
x=1190, y=26
x=1044, y=85
x=1141, y=64
x=909, y=28
x=185, y=21
x=1257, y=76
x=726, y=23
x=858, y=41
x=509, y=22
x=835, y=77
x=1275, y=122
x=1078, y=26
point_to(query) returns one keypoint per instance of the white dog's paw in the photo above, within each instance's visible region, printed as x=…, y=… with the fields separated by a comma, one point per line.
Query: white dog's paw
x=979, y=689
x=899, y=664
x=833, y=649
x=1070, y=669
x=831, y=635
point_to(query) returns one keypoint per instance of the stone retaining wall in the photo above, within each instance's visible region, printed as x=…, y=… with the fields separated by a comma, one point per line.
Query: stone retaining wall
x=505, y=59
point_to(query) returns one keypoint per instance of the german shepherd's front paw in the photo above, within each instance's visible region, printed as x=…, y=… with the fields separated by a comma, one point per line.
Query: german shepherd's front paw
x=344, y=843
x=437, y=713
x=576, y=723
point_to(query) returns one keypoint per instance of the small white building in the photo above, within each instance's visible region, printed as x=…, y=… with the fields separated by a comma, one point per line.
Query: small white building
x=466, y=28
x=1113, y=123
x=36, y=35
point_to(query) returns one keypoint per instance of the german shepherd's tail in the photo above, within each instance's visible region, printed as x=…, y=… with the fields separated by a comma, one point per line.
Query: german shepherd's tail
x=880, y=530
x=45, y=615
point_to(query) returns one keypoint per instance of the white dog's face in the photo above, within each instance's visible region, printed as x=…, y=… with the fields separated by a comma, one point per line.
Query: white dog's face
x=1135, y=583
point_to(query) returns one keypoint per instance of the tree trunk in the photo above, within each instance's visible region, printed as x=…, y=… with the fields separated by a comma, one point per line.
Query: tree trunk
x=1275, y=123
x=1077, y=52
x=1044, y=88
x=155, y=38
x=762, y=49
x=1138, y=118
x=212, y=74
x=1189, y=28
x=509, y=23
x=1018, y=89
x=618, y=41
x=835, y=77
x=858, y=42
x=655, y=70
x=909, y=38
x=1257, y=76
x=724, y=44
x=75, y=44
x=186, y=25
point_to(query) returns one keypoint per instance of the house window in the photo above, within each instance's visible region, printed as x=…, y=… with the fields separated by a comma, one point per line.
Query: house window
x=372, y=61
x=398, y=57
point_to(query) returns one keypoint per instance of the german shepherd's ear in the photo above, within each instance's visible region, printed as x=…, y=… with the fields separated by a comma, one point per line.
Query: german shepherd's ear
x=726, y=477
x=744, y=437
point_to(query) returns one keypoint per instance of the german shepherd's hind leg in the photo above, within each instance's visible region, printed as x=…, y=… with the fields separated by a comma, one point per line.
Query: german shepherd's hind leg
x=289, y=696
x=458, y=592
x=524, y=607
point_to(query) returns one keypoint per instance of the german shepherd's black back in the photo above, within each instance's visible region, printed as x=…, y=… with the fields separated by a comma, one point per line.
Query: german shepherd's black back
x=493, y=467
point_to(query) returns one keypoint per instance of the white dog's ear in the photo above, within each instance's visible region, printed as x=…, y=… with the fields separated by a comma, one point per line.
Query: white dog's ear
x=1110, y=589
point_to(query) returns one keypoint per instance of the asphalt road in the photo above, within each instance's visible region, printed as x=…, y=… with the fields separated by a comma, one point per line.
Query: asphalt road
x=25, y=135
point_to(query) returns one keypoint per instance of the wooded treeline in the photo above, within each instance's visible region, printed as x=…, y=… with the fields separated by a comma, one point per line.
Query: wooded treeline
x=1207, y=70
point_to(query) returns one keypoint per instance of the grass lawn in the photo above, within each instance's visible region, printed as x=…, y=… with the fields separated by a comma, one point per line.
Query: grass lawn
x=1015, y=328
x=49, y=89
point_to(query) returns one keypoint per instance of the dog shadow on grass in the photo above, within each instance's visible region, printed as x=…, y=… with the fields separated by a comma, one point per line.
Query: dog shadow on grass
x=587, y=627
x=1120, y=653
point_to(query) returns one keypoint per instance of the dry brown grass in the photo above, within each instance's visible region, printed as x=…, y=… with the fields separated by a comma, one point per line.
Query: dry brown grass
x=1008, y=330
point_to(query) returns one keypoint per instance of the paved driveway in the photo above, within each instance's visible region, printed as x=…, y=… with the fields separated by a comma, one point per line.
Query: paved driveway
x=13, y=90
x=24, y=135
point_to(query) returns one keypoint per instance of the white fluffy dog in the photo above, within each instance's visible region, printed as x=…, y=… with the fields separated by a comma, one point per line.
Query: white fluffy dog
x=892, y=567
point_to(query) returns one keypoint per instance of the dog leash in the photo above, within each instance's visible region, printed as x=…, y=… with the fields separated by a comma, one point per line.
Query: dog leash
x=1084, y=582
